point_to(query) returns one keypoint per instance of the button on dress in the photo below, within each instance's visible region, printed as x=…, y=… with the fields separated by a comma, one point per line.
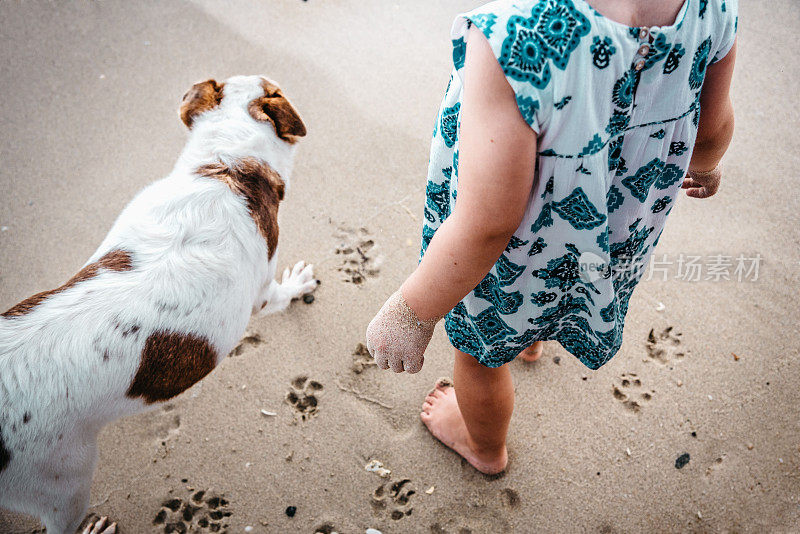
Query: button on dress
x=616, y=110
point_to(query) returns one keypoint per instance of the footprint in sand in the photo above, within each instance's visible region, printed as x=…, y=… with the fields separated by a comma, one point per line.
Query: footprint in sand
x=302, y=396
x=361, y=359
x=716, y=464
x=201, y=511
x=466, y=519
x=510, y=498
x=665, y=348
x=162, y=423
x=357, y=250
x=628, y=390
x=249, y=340
x=393, y=498
x=325, y=528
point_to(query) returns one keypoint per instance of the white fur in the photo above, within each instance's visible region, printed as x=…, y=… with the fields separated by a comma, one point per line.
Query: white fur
x=200, y=267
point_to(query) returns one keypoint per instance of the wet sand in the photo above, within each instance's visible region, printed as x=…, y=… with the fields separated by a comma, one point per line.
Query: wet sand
x=90, y=93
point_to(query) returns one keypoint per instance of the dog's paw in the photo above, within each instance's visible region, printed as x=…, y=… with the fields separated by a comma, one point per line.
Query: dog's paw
x=299, y=281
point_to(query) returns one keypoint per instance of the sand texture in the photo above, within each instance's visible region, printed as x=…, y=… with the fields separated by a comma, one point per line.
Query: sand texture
x=89, y=116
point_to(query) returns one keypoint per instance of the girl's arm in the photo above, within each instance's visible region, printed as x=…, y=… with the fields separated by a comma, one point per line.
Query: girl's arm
x=715, y=130
x=497, y=159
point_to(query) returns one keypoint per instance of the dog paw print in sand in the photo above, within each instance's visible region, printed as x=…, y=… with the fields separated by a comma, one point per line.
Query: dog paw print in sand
x=161, y=424
x=665, y=347
x=303, y=396
x=358, y=254
x=361, y=359
x=249, y=340
x=715, y=465
x=394, y=499
x=201, y=511
x=629, y=391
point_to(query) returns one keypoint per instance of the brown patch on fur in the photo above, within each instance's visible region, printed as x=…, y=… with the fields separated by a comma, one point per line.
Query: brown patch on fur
x=260, y=186
x=275, y=108
x=116, y=260
x=171, y=364
x=200, y=98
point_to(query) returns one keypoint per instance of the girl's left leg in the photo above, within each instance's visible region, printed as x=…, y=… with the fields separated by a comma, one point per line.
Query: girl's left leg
x=532, y=353
x=472, y=417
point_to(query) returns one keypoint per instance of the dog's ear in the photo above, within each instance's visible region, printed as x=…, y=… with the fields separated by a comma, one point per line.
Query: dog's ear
x=275, y=108
x=200, y=98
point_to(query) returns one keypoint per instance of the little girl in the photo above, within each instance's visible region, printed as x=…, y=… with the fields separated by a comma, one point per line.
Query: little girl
x=564, y=137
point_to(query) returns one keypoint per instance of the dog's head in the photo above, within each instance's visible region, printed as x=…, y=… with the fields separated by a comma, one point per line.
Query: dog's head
x=250, y=98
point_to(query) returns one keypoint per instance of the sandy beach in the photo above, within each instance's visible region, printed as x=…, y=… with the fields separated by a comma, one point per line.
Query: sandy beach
x=708, y=369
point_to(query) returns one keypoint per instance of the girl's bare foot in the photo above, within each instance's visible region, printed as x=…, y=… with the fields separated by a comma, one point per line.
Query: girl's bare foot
x=532, y=353
x=441, y=415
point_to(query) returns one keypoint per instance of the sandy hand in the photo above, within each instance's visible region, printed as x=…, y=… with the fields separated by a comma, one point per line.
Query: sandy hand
x=397, y=338
x=702, y=184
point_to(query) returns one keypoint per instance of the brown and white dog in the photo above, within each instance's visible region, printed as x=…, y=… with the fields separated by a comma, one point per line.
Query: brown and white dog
x=162, y=301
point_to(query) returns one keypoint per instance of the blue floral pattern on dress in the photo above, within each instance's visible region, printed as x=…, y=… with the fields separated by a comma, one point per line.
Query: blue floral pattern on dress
x=624, y=89
x=537, y=247
x=593, y=147
x=602, y=50
x=438, y=199
x=461, y=331
x=661, y=204
x=508, y=271
x=427, y=235
x=677, y=148
x=698, y=72
x=655, y=172
x=528, y=107
x=602, y=240
x=449, y=126
x=485, y=22
x=459, y=52
x=560, y=28
x=491, y=327
x=674, y=59
x=489, y=289
x=515, y=243
x=549, y=35
x=615, y=160
x=579, y=211
x=618, y=122
x=564, y=271
x=658, y=50
x=429, y=216
x=614, y=199
x=544, y=219
x=562, y=103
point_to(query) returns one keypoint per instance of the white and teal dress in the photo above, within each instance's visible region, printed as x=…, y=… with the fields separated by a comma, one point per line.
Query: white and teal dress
x=616, y=111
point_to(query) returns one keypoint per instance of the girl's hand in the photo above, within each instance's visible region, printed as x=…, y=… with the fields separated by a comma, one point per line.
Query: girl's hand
x=397, y=338
x=702, y=184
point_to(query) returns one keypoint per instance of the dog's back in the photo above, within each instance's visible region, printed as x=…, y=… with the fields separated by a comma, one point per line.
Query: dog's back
x=152, y=312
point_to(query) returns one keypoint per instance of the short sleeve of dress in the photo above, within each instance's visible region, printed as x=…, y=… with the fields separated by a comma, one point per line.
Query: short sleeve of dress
x=728, y=13
x=517, y=34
